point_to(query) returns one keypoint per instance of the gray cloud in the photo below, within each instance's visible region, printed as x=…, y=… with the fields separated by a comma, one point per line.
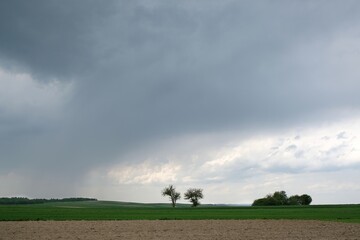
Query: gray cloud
x=51, y=38
x=291, y=147
x=144, y=72
x=341, y=135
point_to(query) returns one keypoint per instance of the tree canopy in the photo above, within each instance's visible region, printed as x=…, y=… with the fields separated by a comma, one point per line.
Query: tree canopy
x=193, y=195
x=173, y=195
x=280, y=198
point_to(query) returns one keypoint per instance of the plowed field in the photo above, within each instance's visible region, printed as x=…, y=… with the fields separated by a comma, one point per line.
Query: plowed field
x=182, y=229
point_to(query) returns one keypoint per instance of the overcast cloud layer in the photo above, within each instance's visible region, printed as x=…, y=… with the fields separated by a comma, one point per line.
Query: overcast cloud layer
x=109, y=98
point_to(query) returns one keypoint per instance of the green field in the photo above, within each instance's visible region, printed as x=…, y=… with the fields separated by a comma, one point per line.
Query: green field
x=105, y=210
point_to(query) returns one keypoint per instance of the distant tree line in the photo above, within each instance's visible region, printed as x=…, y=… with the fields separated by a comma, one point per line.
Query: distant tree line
x=280, y=198
x=24, y=200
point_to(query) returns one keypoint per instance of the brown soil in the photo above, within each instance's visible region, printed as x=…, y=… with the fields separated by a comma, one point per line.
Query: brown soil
x=195, y=229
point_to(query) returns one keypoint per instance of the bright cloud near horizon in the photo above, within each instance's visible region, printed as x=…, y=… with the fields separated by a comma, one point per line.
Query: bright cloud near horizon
x=118, y=99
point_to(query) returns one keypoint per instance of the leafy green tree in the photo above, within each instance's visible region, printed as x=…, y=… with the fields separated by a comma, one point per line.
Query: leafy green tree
x=193, y=195
x=300, y=200
x=305, y=199
x=171, y=192
x=295, y=200
x=280, y=197
x=266, y=201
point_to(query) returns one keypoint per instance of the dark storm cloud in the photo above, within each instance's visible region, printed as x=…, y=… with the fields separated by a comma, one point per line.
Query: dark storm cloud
x=50, y=37
x=144, y=71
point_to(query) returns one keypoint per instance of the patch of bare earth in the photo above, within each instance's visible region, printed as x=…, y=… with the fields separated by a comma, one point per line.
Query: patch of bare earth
x=183, y=229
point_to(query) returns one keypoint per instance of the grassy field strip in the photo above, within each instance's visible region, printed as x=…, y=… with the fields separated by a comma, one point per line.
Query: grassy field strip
x=132, y=211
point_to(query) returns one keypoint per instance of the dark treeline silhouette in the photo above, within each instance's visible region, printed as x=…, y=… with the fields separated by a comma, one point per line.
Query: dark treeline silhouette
x=280, y=198
x=24, y=200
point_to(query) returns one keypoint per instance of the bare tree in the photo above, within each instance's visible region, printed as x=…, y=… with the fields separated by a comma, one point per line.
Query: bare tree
x=173, y=195
x=194, y=194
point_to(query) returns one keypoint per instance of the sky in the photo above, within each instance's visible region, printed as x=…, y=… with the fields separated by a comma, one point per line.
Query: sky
x=118, y=99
